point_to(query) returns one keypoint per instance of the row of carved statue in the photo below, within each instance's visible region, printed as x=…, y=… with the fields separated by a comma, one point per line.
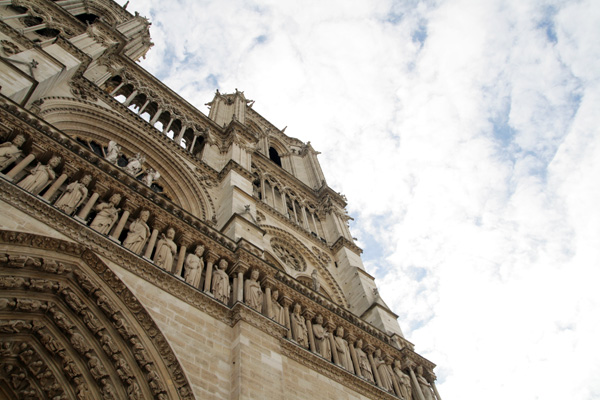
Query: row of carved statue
x=306, y=330
x=43, y=174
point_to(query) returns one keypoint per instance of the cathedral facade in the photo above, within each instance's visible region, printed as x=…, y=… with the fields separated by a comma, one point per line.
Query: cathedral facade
x=150, y=251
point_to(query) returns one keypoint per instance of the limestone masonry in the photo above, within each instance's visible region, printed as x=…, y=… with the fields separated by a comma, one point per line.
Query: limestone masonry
x=148, y=251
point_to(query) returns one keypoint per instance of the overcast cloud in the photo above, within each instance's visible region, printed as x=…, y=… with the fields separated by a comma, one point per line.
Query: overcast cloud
x=465, y=135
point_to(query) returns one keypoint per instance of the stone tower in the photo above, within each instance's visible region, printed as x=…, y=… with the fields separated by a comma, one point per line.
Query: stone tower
x=150, y=251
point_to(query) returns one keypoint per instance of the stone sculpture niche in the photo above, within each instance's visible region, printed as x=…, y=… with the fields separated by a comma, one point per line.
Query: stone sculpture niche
x=363, y=362
x=220, y=282
x=11, y=151
x=74, y=195
x=138, y=233
x=40, y=176
x=383, y=370
x=276, y=313
x=194, y=264
x=342, y=349
x=107, y=215
x=424, y=385
x=134, y=166
x=403, y=380
x=321, y=336
x=253, y=295
x=299, y=331
x=113, y=152
x=165, y=250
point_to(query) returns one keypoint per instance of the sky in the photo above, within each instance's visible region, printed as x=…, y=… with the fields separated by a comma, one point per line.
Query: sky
x=466, y=137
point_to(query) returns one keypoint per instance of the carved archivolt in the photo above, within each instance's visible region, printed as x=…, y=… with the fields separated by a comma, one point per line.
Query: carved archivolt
x=70, y=329
x=96, y=123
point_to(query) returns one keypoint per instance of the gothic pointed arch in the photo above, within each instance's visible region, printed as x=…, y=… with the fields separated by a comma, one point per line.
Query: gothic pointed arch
x=84, y=120
x=70, y=328
x=288, y=245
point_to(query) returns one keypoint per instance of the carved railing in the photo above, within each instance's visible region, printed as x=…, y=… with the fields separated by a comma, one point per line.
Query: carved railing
x=95, y=202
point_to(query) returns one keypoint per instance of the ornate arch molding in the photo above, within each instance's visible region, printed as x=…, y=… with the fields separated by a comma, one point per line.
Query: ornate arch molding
x=70, y=328
x=335, y=291
x=78, y=118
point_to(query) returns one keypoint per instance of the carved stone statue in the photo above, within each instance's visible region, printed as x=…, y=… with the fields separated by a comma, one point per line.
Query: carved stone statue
x=107, y=214
x=39, y=176
x=11, y=151
x=194, y=266
x=403, y=380
x=112, y=152
x=138, y=233
x=276, y=312
x=220, y=282
x=343, y=351
x=315, y=280
x=253, y=295
x=165, y=250
x=134, y=166
x=384, y=371
x=299, y=331
x=150, y=177
x=363, y=363
x=321, y=338
x=73, y=196
x=424, y=385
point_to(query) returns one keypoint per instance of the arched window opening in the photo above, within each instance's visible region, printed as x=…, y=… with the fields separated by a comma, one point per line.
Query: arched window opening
x=162, y=122
x=137, y=103
x=48, y=32
x=87, y=19
x=149, y=112
x=17, y=9
x=174, y=129
x=198, y=146
x=30, y=21
x=123, y=93
x=112, y=83
x=274, y=156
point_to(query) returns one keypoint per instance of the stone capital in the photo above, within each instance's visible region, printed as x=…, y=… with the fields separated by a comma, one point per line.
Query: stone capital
x=286, y=301
x=308, y=314
x=211, y=256
x=239, y=266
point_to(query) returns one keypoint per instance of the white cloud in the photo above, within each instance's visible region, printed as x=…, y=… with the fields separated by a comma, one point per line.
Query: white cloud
x=466, y=137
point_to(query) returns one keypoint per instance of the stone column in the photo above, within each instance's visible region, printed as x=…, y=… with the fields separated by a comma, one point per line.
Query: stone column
x=286, y=302
x=415, y=384
x=239, y=269
x=180, y=257
x=284, y=203
x=156, y=116
x=33, y=28
x=294, y=208
x=273, y=198
x=181, y=133
x=130, y=98
x=304, y=216
x=330, y=326
x=312, y=215
x=117, y=88
x=210, y=260
x=191, y=147
x=151, y=244
x=268, y=284
x=141, y=111
x=20, y=167
x=119, y=228
x=308, y=316
x=55, y=186
x=437, y=394
x=262, y=189
x=369, y=350
x=87, y=208
x=166, y=130
x=351, y=339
